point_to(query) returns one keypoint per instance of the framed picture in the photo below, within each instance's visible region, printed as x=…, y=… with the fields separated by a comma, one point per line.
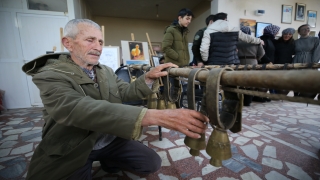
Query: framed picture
x=312, y=18
x=286, y=15
x=251, y=23
x=134, y=52
x=300, y=12
x=110, y=56
x=260, y=27
x=155, y=61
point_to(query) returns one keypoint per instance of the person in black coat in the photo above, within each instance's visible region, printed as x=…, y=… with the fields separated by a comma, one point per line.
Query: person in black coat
x=268, y=37
x=284, y=47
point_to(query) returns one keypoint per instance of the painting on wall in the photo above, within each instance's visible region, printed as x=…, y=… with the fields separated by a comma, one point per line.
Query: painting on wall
x=300, y=12
x=260, y=27
x=286, y=15
x=249, y=22
x=312, y=18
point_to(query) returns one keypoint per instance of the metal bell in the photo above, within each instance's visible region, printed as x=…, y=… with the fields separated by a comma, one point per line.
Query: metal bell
x=218, y=147
x=171, y=105
x=161, y=104
x=195, y=144
x=152, y=101
x=132, y=79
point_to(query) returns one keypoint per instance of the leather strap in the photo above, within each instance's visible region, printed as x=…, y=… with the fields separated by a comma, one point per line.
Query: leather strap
x=264, y=66
x=245, y=67
x=228, y=115
x=254, y=67
x=168, y=95
x=191, y=89
x=237, y=66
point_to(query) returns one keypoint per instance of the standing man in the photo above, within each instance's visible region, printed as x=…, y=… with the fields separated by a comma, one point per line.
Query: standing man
x=85, y=119
x=197, y=59
x=175, y=41
x=219, y=42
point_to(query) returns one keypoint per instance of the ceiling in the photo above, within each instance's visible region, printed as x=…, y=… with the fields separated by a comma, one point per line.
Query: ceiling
x=141, y=9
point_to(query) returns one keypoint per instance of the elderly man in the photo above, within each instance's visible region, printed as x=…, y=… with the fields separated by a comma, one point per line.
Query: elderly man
x=85, y=119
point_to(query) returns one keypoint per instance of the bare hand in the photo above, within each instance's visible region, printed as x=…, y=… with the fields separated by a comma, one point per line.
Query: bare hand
x=262, y=42
x=189, y=122
x=157, y=72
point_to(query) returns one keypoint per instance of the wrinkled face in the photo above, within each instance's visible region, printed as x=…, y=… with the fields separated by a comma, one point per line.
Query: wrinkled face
x=184, y=21
x=86, y=48
x=286, y=37
x=304, y=31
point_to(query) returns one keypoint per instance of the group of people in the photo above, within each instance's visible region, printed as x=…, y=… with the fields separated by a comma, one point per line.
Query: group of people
x=85, y=119
x=220, y=44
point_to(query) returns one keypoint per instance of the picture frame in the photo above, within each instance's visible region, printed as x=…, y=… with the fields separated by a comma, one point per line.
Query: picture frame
x=260, y=27
x=300, y=12
x=110, y=56
x=133, y=54
x=155, y=61
x=286, y=14
x=251, y=23
x=312, y=18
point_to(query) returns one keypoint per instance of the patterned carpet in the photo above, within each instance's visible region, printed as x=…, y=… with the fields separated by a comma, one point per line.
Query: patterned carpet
x=279, y=140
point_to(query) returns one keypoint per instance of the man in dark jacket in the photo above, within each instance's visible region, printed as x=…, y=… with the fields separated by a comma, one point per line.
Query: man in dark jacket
x=219, y=42
x=197, y=59
x=85, y=119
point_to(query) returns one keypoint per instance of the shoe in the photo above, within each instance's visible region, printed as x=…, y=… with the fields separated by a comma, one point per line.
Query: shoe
x=246, y=104
x=108, y=169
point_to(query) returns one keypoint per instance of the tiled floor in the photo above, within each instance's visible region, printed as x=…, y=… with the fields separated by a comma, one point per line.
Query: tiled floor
x=279, y=140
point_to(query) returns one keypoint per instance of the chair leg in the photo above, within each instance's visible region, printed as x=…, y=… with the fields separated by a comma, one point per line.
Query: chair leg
x=160, y=133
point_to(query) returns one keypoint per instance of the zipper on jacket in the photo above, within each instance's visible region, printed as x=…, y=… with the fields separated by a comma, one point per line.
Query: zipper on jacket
x=62, y=71
x=82, y=90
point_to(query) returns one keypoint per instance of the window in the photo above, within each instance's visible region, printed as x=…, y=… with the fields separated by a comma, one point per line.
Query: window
x=48, y=5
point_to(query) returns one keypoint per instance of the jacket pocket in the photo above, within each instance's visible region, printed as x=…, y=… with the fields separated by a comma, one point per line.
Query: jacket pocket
x=54, y=147
x=114, y=96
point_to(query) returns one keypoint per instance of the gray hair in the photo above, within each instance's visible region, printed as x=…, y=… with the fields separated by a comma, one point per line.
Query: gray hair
x=71, y=29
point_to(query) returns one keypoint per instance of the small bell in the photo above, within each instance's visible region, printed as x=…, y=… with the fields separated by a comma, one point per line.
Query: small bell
x=171, y=105
x=218, y=147
x=195, y=144
x=152, y=101
x=133, y=78
x=161, y=104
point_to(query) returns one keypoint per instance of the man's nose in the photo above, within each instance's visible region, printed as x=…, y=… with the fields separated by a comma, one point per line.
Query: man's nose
x=98, y=46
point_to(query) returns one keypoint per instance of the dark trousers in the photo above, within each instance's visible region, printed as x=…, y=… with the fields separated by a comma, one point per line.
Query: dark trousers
x=123, y=154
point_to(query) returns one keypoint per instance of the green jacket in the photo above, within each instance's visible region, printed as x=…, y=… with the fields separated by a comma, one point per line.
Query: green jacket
x=76, y=112
x=175, y=45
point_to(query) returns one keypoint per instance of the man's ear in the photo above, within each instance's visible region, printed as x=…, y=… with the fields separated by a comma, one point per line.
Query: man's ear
x=67, y=43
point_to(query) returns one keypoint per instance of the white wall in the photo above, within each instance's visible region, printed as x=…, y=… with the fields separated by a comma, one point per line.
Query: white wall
x=236, y=9
x=12, y=80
